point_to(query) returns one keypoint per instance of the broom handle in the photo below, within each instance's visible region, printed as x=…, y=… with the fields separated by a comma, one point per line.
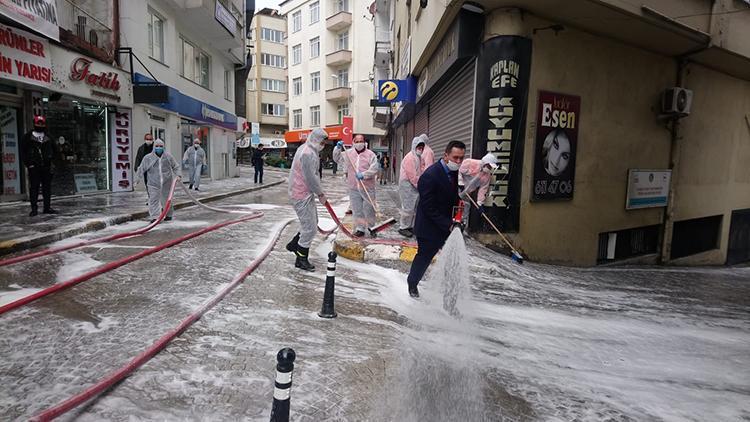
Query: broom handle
x=505, y=239
x=361, y=185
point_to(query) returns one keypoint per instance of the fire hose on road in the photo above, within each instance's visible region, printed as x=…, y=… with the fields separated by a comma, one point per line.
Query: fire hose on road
x=360, y=239
x=118, y=375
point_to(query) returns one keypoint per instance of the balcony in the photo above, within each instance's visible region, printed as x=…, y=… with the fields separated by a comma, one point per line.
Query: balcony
x=338, y=94
x=217, y=25
x=339, y=21
x=84, y=30
x=339, y=57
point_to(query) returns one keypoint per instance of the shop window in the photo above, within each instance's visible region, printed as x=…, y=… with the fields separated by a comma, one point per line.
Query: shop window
x=155, y=36
x=697, y=235
x=10, y=151
x=628, y=243
x=190, y=131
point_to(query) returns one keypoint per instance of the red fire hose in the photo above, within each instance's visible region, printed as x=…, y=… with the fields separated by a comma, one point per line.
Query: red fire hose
x=50, y=251
x=159, y=345
x=120, y=262
x=361, y=239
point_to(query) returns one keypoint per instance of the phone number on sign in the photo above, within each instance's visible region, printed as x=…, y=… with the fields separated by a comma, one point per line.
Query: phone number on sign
x=554, y=187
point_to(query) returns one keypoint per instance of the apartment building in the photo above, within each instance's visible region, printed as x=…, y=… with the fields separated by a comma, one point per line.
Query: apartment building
x=330, y=46
x=267, y=85
x=623, y=129
x=191, y=48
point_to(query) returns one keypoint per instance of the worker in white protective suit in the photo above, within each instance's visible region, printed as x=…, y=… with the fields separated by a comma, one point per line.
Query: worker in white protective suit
x=194, y=158
x=475, y=175
x=304, y=186
x=159, y=168
x=362, y=167
x=412, y=167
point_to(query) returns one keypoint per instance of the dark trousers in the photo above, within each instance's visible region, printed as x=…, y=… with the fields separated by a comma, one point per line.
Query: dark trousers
x=426, y=250
x=258, y=174
x=40, y=176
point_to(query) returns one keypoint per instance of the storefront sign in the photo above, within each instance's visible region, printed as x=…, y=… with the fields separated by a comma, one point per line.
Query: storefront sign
x=39, y=15
x=24, y=57
x=647, y=188
x=90, y=79
x=273, y=143
x=80, y=70
x=10, y=143
x=122, y=145
x=502, y=87
x=225, y=18
x=334, y=133
x=557, y=121
x=85, y=182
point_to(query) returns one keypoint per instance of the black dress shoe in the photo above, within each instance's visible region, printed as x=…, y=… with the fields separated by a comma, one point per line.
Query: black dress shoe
x=359, y=233
x=414, y=291
x=50, y=211
x=33, y=213
x=405, y=232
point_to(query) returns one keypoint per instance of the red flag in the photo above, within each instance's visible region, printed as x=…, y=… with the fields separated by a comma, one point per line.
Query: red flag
x=348, y=129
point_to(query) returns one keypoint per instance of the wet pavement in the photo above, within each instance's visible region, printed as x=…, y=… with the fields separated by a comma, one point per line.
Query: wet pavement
x=532, y=342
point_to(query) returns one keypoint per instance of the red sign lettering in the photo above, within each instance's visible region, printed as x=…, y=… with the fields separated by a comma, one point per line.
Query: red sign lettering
x=80, y=70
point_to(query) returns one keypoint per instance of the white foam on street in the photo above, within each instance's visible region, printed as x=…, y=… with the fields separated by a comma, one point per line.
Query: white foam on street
x=75, y=264
x=7, y=297
x=255, y=206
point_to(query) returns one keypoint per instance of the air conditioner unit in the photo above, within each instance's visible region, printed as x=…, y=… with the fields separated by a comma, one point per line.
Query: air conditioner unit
x=677, y=101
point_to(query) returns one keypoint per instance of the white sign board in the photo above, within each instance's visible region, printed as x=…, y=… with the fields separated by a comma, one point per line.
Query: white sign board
x=647, y=188
x=122, y=147
x=225, y=18
x=24, y=57
x=85, y=182
x=9, y=143
x=39, y=15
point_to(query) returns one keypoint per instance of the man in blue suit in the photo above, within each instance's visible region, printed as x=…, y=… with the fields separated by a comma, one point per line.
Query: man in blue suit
x=438, y=194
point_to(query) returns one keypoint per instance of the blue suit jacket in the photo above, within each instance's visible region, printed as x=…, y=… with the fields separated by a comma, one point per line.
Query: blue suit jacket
x=437, y=197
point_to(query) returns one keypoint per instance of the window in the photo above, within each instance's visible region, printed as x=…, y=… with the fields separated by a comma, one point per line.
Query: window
x=155, y=37
x=315, y=82
x=273, y=85
x=297, y=86
x=297, y=21
x=315, y=116
x=297, y=118
x=273, y=60
x=297, y=54
x=694, y=236
x=268, y=34
x=342, y=5
x=251, y=84
x=314, y=12
x=342, y=40
x=314, y=47
x=196, y=65
x=272, y=109
x=342, y=110
x=342, y=78
x=227, y=84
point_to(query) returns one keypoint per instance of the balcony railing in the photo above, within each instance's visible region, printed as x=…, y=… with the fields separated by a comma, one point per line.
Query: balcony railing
x=84, y=29
x=339, y=21
x=341, y=93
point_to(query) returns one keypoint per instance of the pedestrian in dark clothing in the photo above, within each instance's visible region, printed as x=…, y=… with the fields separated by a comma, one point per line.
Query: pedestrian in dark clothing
x=146, y=148
x=320, y=169
x=258, y=160
x=438, y=194
x=37, y=153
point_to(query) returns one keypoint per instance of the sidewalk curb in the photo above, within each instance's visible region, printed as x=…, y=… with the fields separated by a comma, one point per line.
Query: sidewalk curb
x=361, y=252
x=23, y=243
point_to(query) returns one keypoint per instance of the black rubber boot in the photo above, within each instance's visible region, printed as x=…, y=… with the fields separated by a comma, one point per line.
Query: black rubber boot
x=413, y=291
x=302, y=262
x=292, y=245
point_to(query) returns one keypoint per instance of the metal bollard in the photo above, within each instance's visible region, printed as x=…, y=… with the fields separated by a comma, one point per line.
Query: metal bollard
x=327, y=310
x=284, y=368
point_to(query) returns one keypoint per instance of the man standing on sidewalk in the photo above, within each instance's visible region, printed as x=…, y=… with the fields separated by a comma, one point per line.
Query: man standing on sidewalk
x=37, y=153
x=146, y=147
x=438, y=194
x=159, y=168
x=258, y=160
x=194, y=158
x=304, y=185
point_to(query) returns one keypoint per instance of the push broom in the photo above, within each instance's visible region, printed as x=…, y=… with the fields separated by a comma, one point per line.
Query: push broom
x=515, y=255
x=379, y=226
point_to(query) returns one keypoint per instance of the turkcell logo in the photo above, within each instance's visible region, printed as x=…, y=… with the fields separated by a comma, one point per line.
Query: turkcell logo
x=394, y=90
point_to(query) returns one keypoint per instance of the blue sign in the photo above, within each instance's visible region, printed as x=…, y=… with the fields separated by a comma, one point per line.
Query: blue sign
x=190, y=107
x=396, y=90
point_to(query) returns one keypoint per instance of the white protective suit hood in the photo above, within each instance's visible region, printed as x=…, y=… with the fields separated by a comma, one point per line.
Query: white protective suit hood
x=316, y=138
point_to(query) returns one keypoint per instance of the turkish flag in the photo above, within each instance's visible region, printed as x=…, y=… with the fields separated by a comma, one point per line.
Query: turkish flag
x=348, y=128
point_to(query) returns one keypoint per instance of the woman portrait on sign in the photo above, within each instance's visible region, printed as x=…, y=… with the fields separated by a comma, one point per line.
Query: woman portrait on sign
x=556, y=152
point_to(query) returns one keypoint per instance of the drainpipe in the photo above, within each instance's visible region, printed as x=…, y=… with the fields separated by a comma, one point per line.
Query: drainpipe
x=116, y=29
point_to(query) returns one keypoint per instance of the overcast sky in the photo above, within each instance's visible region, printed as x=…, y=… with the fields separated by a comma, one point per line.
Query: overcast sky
x=260, y=4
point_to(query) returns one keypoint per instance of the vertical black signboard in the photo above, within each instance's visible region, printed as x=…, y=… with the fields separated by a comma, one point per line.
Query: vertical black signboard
x=502, y=90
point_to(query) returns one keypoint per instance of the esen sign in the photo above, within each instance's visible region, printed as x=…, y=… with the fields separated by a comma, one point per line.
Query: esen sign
x=122, y=173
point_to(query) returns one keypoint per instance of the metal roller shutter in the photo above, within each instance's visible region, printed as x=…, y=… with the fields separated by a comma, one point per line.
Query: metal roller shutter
x=420, y=122
x=451, y=112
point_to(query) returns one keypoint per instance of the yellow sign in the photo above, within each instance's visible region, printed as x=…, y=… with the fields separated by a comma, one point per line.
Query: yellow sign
x=389, y=90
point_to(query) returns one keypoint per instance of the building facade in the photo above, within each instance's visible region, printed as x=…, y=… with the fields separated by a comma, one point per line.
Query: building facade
x=57, y=60
x=267, y=86
x=621, y=136
x=191, y=48
x=330, y=46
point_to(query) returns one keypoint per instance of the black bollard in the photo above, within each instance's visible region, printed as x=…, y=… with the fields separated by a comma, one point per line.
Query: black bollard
x=284, y=368
x=327, y=310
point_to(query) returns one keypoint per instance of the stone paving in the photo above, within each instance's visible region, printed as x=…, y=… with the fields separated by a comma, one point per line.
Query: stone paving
x=534, y=342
